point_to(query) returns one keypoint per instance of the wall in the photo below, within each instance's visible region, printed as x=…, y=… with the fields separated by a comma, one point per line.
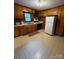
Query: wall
x=60, y=21
x=53, y=11
x=18, y=15
x=18, y=11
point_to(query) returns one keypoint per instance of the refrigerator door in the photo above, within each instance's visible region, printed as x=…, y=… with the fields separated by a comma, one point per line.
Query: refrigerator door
x=48, y=28
x=49, y=25
x=50, y=19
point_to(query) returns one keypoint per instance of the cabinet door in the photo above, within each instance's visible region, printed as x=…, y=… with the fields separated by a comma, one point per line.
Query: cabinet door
x=23, y=30
x=31, y=28
x=16, y=31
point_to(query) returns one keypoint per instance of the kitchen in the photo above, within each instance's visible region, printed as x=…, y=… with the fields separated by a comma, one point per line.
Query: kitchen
x=32, y=28
x=42, y=14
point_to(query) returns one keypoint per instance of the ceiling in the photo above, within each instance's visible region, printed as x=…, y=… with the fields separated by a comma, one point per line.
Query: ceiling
x=44, y=4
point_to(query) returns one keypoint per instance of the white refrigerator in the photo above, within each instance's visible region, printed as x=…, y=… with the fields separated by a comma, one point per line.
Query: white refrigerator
x=50, y=24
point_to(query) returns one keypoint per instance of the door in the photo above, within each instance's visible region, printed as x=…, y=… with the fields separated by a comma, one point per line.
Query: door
x=49, y=25
x=48, y=28
x=50, y=19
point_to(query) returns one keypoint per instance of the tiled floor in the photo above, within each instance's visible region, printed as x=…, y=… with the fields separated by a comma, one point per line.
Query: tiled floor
x=39, y=46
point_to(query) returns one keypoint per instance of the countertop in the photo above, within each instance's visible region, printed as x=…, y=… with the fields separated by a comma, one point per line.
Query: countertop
x=25, y=24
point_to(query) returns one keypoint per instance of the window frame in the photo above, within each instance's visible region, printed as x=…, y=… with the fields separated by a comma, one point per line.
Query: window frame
x=24, y=16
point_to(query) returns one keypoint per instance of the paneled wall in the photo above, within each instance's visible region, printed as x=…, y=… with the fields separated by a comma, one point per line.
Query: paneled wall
x=60, y=21
x=18, y=15
x=18, y=11
x=54, y=11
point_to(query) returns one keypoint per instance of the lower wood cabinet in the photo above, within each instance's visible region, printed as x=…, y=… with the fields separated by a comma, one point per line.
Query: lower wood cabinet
x=31, y=28
x=22, y=30
x=16, y=32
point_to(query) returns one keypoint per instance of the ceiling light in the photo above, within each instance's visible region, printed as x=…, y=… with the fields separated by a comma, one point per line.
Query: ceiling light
x=41, y=3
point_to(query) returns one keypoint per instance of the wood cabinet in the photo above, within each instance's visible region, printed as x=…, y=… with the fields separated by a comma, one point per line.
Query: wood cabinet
x=22, y=30
x=16, y=32
x=31, y=28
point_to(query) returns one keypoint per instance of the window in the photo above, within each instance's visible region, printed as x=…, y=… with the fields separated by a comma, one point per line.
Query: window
x=27, y=17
